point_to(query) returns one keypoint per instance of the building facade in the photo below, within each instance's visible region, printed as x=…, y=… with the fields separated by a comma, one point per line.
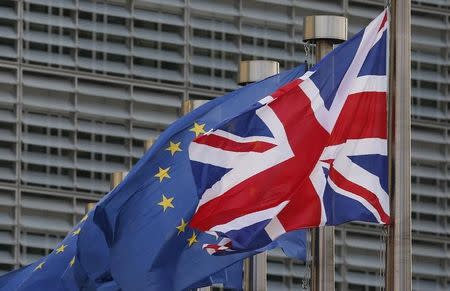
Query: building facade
x=84, y=83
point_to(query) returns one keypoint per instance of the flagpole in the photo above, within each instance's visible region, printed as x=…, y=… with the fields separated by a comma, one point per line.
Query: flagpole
x=116, y=179
x=324, y=31
x=89, y=207
x=255, y=268
x=398, y=254
x=188, y=106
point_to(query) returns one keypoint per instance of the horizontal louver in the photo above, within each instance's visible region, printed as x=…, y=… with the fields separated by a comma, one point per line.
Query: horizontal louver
x=84, y=83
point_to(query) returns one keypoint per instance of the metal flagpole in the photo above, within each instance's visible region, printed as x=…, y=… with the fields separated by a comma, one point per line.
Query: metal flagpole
x=324, y=31
x=255, y=268
x=89, y=207
x=116, y=178
x=187, y=107
x=398, y=260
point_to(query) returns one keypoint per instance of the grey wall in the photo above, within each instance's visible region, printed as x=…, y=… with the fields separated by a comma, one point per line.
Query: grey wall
x=84, y=83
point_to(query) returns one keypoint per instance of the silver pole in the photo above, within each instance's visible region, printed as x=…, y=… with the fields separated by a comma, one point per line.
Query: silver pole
x=148, y=144
x=89, y=207
x=187, y=107
x=398, y=260
x=117, y=178
x=324, y=31
x=255, y=268
x=322, y=238
x=255, y=273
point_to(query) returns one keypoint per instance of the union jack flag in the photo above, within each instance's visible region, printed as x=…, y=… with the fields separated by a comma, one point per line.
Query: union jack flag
x=313, y=153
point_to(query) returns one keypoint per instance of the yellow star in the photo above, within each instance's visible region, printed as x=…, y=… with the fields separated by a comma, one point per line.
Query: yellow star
x=38, y=267
x=174, y=147
x=163, y=173
x=193, y=239
x=61, y=249
x=72, y=261
x=76, y=232
x=182, y=226
x=198, y=129
x=84, y=218
x=166, y=202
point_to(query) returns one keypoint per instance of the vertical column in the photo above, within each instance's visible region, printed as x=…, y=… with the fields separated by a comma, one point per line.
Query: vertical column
x=89, y=207
x=187, y=107
x=116, y=178
x=19, y=132
x=187, y=47
x=255, y=268
x=398, y=261
x=258, y=272
x=148, y=144
x=324, y=31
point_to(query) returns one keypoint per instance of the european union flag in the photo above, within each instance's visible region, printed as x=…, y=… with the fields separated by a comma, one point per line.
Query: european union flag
x=144, y=222
x=55, y=271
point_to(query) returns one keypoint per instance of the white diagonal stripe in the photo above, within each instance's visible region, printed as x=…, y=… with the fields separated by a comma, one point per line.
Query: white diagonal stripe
x=250, y=219
x=364, y=146
x=319, y=183
x=274, y=228
x=218, y=157
x=370, y=83
x=237, y=138
x=357, y=198
x=360, y=176
x=266, y=100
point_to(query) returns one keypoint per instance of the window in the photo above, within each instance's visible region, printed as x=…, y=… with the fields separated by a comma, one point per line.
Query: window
x=38, y=8
x=145, y=25
x=38, y=46
x=85, y=54
x=85, y=34
x=84, y=15
x=55, y=11
x=116, y=20
x=116, y=58
x=202, y=33
x=170, y=66
x=116, y=39
x=38, y=27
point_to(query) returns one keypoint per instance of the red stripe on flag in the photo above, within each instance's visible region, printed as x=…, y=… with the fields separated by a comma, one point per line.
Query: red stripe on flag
x=367, y=114
x=304, y=209
x=356, y=189
x=383, y=22
x=233, y=146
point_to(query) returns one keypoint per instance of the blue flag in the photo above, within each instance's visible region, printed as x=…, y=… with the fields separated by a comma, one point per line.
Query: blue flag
x=142, y=230
x=55, y=271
